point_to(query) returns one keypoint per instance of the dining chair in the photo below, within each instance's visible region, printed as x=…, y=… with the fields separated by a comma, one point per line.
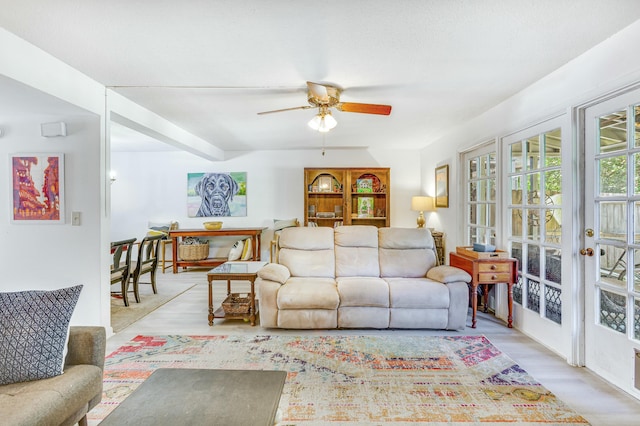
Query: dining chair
x=147, y=262
x=121, y=266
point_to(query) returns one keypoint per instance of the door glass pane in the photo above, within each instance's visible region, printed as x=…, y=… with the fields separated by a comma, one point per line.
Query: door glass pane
x=552, y=152
x=516, y=190
x=613, y=311
x=613, y=176
x=636, y=320
x=613, y=220
x=636, y=173
x=533, y=153
x=613, y=265
x=516, y=222
x=492, y=190
x=552, y=185
x=473, y=235
x=553, y=225
x=613, y=132
x=483, y=166
x=482, y=214
x=533, y=259
x=636, y=114
x=482, y=190
x=552, y=269
x=533, y=188
x=553, y=304
x=492, y=216
x=472, y=214
x=516, y=157
x=636, y=271
x=492, y=164
x=473, y=168
x=473, y=193
x=533, y=295
x=636, y=219
x=533, y=224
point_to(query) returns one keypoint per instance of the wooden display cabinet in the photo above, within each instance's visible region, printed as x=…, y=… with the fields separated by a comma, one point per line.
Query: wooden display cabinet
x=347, y=196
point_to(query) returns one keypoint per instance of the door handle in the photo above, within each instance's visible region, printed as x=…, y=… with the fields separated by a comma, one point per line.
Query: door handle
x=586, y=252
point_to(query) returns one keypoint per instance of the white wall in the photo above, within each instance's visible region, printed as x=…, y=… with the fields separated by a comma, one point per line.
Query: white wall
x=152, y=186
x=60, y=255
x=609, y=67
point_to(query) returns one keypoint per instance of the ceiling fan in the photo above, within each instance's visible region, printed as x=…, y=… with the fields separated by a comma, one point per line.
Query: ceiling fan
x=325, y=96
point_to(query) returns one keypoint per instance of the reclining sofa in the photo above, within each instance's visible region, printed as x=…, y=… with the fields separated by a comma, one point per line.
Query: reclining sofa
x=360, y=277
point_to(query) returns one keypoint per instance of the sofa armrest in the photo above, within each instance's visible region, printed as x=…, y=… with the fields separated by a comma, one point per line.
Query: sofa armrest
x=87, y=345
x=274, y=272
x=448, y=274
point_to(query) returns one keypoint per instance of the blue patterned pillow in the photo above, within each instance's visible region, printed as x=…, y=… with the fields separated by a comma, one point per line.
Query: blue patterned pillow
x=34, y=326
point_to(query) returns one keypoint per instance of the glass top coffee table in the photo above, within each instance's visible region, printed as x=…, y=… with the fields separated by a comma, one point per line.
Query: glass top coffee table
x=235, y=306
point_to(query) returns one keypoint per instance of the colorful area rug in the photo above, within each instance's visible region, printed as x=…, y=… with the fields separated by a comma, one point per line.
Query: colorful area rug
x=356, y=379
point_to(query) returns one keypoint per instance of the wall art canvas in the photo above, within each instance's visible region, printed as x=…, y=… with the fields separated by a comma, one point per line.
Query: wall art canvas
x=217, y=194
x=37, y=188
x=442, y=186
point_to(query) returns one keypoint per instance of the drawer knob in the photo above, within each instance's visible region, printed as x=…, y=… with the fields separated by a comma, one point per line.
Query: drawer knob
x=493, y=267
x=494, y=277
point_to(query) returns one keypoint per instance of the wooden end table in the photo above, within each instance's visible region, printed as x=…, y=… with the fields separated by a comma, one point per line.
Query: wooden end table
x=486, y=271
x=241, y=271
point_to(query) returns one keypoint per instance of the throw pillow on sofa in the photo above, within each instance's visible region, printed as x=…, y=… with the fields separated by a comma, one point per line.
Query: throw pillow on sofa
x=34, y=328
x=247, y=252
x=236, y=251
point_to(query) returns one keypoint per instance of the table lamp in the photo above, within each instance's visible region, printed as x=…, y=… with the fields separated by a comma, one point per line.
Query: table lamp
x=422, y=204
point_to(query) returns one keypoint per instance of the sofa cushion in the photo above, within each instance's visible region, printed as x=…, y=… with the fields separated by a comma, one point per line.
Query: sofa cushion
x=417, y=293
x=307, y=252
x=356, y=249
x=363, y=317
x=308, y=293
x=53, y=400
x=363, y=291
x=34, y=326
x=405, y=252
x=274, y=272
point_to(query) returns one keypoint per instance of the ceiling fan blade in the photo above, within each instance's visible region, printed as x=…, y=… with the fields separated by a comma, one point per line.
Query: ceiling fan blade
x=285, y=109
x=319, y=91
x=364, y=108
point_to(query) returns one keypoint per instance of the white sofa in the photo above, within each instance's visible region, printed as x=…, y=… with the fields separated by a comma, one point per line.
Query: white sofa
x=360, y=277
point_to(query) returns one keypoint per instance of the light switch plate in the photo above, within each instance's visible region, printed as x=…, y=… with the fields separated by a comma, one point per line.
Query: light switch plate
x=75, y=218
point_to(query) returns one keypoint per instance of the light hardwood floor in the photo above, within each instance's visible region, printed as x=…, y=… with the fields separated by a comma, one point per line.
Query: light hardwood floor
x=593, y=398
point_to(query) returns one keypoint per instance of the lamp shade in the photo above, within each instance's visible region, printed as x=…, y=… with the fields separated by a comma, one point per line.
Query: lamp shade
x=422, y=204
x=323, y=122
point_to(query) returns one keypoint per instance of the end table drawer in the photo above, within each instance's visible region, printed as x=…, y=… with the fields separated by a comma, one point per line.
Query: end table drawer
x=494, y=267
x=494, y=277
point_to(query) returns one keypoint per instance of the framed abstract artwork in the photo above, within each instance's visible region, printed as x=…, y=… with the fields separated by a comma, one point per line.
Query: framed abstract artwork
x=442, y=186
x=37, y=182
x=217, y=194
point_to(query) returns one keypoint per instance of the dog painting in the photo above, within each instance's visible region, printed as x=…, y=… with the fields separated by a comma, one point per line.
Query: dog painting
x=216, y=194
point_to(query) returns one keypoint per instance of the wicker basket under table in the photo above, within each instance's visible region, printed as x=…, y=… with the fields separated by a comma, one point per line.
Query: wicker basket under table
x=236, y=304
x=193, y=251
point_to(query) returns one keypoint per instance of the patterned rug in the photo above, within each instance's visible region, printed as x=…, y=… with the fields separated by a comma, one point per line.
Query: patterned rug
x=458, y=380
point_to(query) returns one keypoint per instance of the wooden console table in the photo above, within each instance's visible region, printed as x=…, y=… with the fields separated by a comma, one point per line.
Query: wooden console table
x=486, y=271
x=175, y=235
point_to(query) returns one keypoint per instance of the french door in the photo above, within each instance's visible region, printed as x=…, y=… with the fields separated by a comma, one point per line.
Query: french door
x=538, y=187
x=611, y=248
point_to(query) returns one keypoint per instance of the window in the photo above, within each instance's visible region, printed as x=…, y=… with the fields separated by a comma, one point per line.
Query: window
x=480, y=195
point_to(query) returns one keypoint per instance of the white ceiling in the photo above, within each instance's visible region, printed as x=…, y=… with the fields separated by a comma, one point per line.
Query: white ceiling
x=210, y=66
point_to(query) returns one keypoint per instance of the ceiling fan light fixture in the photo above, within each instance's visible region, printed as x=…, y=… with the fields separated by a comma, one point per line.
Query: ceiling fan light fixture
x=323, y=122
